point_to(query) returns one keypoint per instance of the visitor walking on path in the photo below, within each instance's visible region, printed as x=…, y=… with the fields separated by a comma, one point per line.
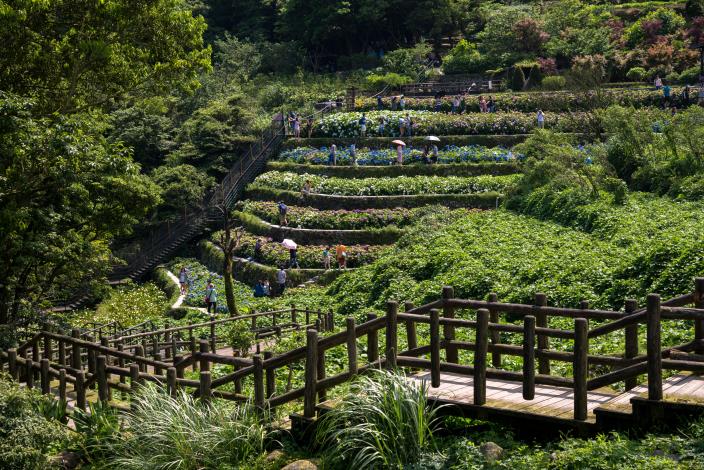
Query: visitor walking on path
x=211, y=297
x=658, y=82
x=379, y=103
x=438, y=103
x=455, y=104
x=280, y=281
x=382, y=125
x=401, y=126
x=363, y=125
x=309, y=127
x=394, y=103
x=296, y=127
x=258, y=249
x=293, y=258
x=307, y=188
x=341, y=255
x=183, y=280
x=483, y=108
x=283, y=211
x=409, y=125
x=326, y=258
x=541, y=119
x=332, y=157
x=434, y=158
x=491, y=105
x=402, y=103
x=399, y=154
x=666, y=93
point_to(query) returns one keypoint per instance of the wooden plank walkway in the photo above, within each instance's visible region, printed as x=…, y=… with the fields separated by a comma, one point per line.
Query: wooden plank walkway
x=551, y=401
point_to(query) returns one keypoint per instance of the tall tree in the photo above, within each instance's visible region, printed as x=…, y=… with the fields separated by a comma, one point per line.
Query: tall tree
x=229, y=241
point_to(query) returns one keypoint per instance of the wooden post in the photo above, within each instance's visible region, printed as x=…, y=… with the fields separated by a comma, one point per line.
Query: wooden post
x=44, y=375
x=194, y=350
x=528, y=357
x=480, y=356
x=391, y=334
x=213, y=338
x=237, y=382
x=157, y=369
x=258, y=381
x=121, y=360
x=435, y=348
x=91, y=357
x=331, y=320
x=12, y=364
x=541, y=320
x=654, y=354
x=29, y=373
x=322, y=394
x=100, y=364
x=311, y=374
x=174, y=346
x=62, y=353
x=451, y=352
x=205, y=386
x=411, y=335
x=204, y=364
x=47, y=349
x=139, y=352
x=76, y=350
x=352, y=345
x=80, y=390
x=62, y=384
x=254, y=319
x=494, y=335
x=155, y=345
x=179, y=370
x=294, y=317
x=35, y=358
x=372, y=341
x=171, y=381
x=699, y=303
x=134, y=377
x=631, y=341
x=580, y=367
x=270, y=374
x=168, y=343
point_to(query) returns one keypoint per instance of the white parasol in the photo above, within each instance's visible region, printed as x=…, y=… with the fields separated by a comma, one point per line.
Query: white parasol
x=289, y=244
x=399, y=142
x=432, y=138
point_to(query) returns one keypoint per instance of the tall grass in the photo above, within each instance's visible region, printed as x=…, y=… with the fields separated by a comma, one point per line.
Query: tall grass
x=182, y=433
x=383, y=422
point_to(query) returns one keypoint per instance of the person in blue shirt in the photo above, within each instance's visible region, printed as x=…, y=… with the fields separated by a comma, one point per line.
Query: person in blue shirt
x=379, y=103
x=666, y=91
x=260, y=289
x=363, y=125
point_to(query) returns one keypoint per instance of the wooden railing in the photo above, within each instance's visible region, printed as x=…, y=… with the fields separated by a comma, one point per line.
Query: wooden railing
x=467, y=337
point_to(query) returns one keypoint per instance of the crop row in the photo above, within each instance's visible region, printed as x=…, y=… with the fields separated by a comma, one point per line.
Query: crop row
x=309, y=256
x=530, y=102
x=387, y=186
x=360, y=219
x=388, y=156
x=429, y=123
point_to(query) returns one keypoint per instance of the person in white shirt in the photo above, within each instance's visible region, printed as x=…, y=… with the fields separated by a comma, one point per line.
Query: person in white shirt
x=281, y=281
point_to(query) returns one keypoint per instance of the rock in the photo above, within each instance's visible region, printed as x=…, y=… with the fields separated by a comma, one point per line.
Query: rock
x=491, y=451
x=301, y=465
x=274, y=455
x=66, y=460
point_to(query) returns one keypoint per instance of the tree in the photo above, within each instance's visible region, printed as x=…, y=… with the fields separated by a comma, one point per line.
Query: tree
x=65, y=194
x=74, y=54
x=228, y=241
x=182, y=186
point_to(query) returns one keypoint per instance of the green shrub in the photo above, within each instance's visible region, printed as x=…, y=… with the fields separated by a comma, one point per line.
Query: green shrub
x=239, y=336
x=636, y=74
x=516, y=79
x=463, y=58
x=554, y=82
x=391, y=79
x=383, y=422
x=128, y=305
x=27, y=437
x=690, y=75
x=98, y=428
x=168, y=432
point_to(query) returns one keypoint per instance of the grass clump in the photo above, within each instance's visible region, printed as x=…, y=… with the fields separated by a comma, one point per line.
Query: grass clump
x=383, y=422
x=181, y=433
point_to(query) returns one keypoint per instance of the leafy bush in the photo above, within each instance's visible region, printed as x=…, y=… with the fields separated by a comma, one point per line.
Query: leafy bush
x=128, y=305
x=391, y=79
x=411, y=155
x=388, y=186
x=407, y=61
x=239, y=336
x=660, y=22
x=383, y=422
x=690, y=75
x=179, y=432
x=553, y=82
x=429, y=123
x=463, y=58
x=636, y=74
x=26, y=436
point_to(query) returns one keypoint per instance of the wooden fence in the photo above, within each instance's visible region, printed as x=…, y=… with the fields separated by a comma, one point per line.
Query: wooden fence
x=482, y=323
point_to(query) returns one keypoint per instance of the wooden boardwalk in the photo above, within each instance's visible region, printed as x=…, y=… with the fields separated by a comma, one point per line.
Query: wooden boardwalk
x=551, y=401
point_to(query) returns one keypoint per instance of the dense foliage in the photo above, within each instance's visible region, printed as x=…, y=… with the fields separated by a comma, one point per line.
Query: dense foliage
x=387, y=186
x=128, y=306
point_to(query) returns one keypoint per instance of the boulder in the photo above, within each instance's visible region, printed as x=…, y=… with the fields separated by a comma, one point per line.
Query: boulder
x=274, y=455
x=301, y=465
x=491, y=451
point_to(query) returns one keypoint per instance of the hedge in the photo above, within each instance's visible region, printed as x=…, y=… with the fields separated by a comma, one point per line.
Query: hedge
x=257, y=226
x=166, y=284
x=486, y=200
x=455, y=169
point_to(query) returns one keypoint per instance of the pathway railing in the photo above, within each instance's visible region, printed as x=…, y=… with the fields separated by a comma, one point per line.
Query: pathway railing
x=467, y=337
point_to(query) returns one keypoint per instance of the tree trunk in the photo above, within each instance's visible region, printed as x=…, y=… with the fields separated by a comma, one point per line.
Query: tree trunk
x=229, y=288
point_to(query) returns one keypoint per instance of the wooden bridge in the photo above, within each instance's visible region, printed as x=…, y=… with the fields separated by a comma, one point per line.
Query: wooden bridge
x=468, y=361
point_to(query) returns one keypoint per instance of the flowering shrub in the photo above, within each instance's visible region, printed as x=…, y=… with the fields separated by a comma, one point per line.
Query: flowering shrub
x=562, y=101
x=387, y=186
x=341, y=219
x=366, y=156
x=129, y=305
x=309, y=256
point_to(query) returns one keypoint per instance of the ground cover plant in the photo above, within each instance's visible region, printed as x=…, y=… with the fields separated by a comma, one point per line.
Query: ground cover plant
x=430, y=123
x=386, y=186
x=309, y=256
x=388, y=156
x=341, y=219
x=553, y=101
